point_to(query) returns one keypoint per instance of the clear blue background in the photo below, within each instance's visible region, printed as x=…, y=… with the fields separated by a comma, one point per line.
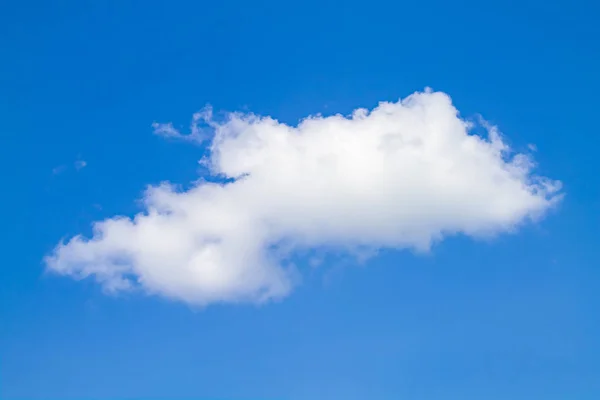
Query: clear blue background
x=515, y=318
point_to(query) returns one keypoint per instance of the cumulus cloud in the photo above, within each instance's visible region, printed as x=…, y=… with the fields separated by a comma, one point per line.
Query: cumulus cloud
x=403, y=176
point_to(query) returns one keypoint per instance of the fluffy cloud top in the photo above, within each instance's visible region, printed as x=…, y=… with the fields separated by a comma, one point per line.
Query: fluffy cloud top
x=402, y=176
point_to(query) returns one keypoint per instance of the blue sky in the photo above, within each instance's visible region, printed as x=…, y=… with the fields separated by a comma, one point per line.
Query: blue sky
x=514, y=316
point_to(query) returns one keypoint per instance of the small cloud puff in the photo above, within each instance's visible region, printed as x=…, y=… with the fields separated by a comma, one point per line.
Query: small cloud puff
x=80, y=164
x=198, y=133
x=59, y=170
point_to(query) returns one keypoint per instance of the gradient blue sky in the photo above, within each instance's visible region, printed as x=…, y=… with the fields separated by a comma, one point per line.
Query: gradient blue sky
x=512, y=318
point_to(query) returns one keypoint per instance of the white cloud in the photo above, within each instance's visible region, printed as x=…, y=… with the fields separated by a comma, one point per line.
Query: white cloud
x=58, y=170
x=402, y=176
x=80, y=164
x=197, y=133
